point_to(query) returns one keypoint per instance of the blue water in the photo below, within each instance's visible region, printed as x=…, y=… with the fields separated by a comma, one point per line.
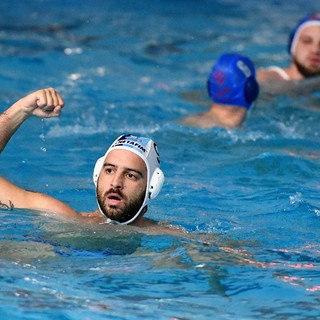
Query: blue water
x=249, y=198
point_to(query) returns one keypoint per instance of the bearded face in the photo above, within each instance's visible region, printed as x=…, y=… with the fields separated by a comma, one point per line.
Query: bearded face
x=115, y=205
x=121, y=186
x=306, y=55
x=306, y=70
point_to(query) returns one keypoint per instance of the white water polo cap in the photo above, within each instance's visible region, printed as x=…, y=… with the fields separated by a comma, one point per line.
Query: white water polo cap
x=311, y=19
x=147, y=150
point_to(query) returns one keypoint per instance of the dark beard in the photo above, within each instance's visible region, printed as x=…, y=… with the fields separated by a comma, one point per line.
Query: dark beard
x=129, y=211
x=307, y=73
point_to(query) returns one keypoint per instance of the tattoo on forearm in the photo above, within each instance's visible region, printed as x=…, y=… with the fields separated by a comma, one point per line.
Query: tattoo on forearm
x=9, y=206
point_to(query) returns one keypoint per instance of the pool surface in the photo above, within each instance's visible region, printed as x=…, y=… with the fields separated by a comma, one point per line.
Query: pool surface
x=248, y=198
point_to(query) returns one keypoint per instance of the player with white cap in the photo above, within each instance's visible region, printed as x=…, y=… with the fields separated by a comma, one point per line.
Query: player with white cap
x=304, y=49
x=127, y=177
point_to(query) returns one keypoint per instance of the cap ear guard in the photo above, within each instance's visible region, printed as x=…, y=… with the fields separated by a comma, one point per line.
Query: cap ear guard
x=208, y=88
x=291, y=36
x=97, y=169
x=251, y=90
x=156, y=183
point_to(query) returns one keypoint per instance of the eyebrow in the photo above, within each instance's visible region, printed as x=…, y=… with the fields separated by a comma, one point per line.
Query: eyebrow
x=107, y=164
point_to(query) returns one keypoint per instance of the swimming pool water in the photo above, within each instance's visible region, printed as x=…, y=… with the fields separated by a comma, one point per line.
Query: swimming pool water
x=249, y=198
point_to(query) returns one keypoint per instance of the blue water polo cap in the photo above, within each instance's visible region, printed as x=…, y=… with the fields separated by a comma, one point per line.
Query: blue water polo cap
x=232, y=81
x=311, y=19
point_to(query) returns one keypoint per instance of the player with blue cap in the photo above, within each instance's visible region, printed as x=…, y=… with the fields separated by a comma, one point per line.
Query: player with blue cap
x=232, y=86
x=232, y=81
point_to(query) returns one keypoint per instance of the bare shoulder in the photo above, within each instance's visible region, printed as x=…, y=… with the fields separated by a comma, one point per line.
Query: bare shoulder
x=202, y=120
x=149, y=226
x=95, y=216
x=10, y=194
x=269, y=74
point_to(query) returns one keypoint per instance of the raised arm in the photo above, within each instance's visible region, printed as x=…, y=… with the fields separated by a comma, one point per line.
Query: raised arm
x=45, y=103
x=12, y=196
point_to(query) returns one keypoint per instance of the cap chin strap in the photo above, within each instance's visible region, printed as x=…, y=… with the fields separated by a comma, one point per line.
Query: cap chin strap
x=155, y=186
x=143, y=211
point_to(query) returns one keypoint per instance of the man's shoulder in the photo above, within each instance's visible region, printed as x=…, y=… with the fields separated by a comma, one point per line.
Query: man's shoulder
x=272, y=73
x=95, y=216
